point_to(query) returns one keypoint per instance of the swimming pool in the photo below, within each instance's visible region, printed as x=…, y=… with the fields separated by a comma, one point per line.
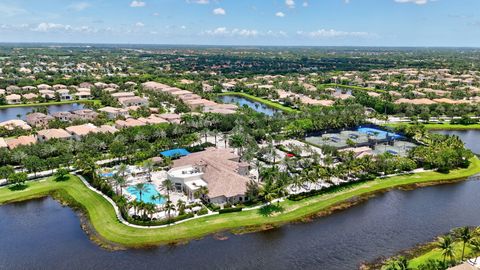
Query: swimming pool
x=147, y=194
x=378, y=133
x=107, y=174
x=173, y=153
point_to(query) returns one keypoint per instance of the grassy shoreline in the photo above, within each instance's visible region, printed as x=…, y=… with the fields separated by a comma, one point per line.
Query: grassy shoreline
x=269, y=103
x=445, y=126
x=48, y=103
x=102, y=217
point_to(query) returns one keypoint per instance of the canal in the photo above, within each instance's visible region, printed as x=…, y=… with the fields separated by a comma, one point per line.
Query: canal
x=21, y=112
x=256, y=106
x=43, y=234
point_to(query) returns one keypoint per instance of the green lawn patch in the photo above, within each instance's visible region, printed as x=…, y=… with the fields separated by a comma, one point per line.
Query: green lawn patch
x=438, y=126
x=102, y=216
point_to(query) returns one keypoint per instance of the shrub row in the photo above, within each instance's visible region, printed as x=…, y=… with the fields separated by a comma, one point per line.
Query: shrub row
x=332, y=189
x=230, y=210
x=158, y=222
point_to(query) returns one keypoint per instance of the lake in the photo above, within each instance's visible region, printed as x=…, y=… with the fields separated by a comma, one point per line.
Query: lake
x=42, y=234
x=257, y=106
x=12, y=113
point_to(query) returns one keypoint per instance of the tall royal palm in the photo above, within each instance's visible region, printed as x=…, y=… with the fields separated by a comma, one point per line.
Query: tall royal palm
x=446, y=245
x=465, y=234
x=141, y=188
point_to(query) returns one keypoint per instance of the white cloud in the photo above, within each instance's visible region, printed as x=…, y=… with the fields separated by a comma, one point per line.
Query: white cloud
x=46, y=27
x=79, y=6
x=219, y=11
x=156, y=14
x=280, y=14
x=200, y=2
x=225, y=32
x=417, y=2
x=290, y=3
x=305, y=4
x=136, y=3
x=331, y=33
x=10, y=10
x=139, y=24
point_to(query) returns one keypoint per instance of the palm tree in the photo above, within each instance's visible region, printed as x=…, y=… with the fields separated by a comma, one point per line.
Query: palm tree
x=446, y=245
x=150, y=209
x=134, y=204
x=465, y=234
x=119, y=181
x=148, y=166
x=168, y=206
x=201, y=192
x=167, y=185
x=122, y=169
x=141, y=188
x=268, y=191
x=180, y=206
x=475, y=246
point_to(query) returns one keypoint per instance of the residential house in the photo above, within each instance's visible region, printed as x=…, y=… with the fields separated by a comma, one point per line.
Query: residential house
x=80, y=131
x=130, y=122
x=63, y=116
x=83, y=95
x=22, y=140
x=225, y=177
x=13, y=89
x=30, y=96
x=152, y=120
x=50, y=94
x=113, y=113
x=48, y=134
x=3, y=143
x=15, y=123
x=133, y=101
x=13, y=99
x=59, y=86
x=38, y=119
x=64, y=94
x=44, y=87
x=171, y=117
x=122, y=95
x=85, y=114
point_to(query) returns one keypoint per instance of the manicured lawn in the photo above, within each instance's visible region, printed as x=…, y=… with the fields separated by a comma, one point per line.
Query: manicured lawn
x=49, y=103
x=261, y=100
x=436, y=254
x=445, y=126
x=103, y=219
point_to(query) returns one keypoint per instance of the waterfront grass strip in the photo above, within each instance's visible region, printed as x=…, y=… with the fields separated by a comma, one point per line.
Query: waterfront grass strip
x=269, y=103
x=102, y=215
x=439, y=126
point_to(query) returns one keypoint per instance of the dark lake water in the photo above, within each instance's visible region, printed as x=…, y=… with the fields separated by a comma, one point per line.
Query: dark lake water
x=12, y=113
x=257, y=106
x=471, y=138
x=42, y=234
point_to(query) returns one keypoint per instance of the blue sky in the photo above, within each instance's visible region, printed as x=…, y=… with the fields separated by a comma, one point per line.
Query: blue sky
x=244, y=22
